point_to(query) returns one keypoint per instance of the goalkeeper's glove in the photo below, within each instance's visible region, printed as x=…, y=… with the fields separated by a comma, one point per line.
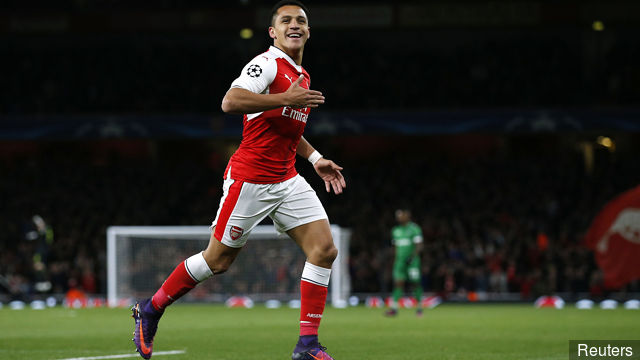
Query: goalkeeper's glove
x=409, y=260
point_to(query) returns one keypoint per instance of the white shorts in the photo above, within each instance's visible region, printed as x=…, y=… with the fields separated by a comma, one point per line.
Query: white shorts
x=289, y=204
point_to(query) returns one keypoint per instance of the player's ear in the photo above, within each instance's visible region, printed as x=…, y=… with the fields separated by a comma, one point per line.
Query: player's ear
x=272, y=32
x=308, y=32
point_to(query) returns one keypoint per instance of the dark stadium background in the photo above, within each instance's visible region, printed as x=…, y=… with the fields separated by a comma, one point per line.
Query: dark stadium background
x=505, y=127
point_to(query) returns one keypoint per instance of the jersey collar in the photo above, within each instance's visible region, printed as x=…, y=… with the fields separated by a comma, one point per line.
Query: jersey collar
x=286, y=56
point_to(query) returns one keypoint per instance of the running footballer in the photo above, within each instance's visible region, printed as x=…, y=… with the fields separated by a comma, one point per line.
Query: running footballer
x=274, y=95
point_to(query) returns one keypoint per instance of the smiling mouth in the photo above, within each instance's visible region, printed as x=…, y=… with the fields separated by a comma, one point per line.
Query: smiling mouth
x=294, y=36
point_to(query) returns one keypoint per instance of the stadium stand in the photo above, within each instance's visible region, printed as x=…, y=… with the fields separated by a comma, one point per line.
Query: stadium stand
x=509, y=218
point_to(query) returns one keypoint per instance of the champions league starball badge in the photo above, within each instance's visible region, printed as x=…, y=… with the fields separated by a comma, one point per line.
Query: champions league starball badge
x=254, y=70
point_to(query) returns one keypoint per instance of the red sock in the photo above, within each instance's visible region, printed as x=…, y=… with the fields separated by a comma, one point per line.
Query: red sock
x=176, y=285
x=312, y=298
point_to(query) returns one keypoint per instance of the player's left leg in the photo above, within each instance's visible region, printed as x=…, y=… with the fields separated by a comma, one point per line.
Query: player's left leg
x=415, y=277
x=317, y=243
x=303, y=218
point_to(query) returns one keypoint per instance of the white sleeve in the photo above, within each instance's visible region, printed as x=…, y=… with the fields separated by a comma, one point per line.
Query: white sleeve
x=257, y=75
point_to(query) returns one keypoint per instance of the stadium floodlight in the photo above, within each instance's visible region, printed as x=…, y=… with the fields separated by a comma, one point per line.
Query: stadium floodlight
x=139, y=258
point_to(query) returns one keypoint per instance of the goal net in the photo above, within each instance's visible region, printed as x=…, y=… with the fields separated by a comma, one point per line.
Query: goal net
x=139, y=259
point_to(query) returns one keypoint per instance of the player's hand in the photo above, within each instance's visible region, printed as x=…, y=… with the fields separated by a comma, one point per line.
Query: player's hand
x=299, y=97
x=409, y=260
x=330, y=173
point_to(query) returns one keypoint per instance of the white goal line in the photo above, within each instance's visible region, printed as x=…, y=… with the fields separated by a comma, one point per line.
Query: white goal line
x=122, y=356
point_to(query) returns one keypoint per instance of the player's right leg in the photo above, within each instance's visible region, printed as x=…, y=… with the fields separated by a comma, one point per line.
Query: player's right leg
x=147, y=313
x=230, y=231
x=395, y=298
x=399, y=278
x=216, y=259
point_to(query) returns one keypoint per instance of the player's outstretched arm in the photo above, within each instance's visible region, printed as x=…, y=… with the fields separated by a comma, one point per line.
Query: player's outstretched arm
x=242, y=101
x=325, y=168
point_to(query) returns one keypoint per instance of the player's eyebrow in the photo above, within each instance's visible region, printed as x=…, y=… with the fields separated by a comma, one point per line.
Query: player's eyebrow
x=299, y=18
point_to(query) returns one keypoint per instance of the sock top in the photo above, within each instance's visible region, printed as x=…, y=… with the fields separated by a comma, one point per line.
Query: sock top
x=151, y=310
x=306, y=342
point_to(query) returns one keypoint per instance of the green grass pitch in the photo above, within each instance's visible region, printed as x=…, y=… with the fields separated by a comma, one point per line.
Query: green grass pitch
x=449, y=331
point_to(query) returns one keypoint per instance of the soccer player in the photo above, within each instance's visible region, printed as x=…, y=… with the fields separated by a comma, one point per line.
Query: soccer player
x=260, y=180
x=407, y=241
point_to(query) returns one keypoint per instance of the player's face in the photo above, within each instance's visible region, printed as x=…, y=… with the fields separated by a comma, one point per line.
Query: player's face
x=290, y=29
x=402, y=216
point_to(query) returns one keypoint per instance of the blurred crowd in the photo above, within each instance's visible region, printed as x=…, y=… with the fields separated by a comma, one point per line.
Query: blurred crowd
x=494, y=223
x=506, y=216
x=187, y=73
x=266, y=269
x=78, y=195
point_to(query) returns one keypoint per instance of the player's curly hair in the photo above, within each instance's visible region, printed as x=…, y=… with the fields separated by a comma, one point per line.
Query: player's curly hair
x=281, y=3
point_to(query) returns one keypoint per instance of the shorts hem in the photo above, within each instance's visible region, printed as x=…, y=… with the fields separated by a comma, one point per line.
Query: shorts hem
x=235, y=246
x=302, y=222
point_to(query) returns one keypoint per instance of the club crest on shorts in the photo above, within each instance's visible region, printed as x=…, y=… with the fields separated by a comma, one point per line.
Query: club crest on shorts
x=235, y=232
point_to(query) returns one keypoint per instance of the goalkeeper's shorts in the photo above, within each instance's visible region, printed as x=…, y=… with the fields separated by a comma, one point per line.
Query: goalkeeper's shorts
x=403, y=271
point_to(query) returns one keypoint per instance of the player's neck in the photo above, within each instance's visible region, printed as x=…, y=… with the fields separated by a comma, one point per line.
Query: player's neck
x=294, y=54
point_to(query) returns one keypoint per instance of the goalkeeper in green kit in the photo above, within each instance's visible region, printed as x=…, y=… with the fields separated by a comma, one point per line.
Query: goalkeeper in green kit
x=407, y=240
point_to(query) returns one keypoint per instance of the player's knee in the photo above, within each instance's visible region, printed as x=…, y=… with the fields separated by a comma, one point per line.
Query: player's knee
x=218, y=264
x=332, y=253
x=220, y=268
x=327, y=253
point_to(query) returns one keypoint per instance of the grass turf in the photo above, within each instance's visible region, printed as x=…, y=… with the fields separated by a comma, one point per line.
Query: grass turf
x=449, y=331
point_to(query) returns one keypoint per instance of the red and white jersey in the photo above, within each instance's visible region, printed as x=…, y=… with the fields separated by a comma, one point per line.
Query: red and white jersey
x=267, y=153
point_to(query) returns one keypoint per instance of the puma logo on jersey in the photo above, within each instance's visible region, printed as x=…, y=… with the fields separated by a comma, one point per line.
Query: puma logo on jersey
x=294, y=114
x=291, y=80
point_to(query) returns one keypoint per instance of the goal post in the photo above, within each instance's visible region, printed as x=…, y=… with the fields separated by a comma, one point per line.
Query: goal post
x=139, y=258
